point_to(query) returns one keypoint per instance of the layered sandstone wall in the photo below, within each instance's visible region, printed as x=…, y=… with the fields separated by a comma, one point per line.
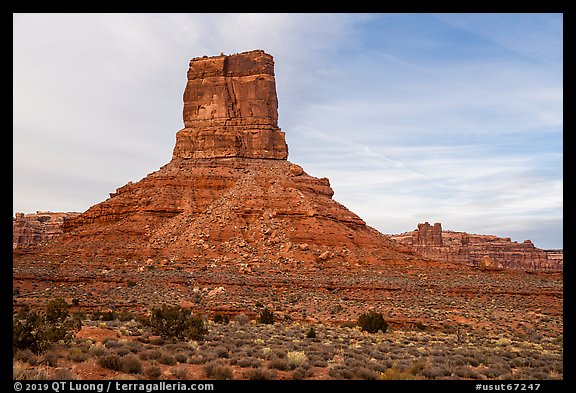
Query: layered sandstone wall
x=478, y=250
x=38, y=228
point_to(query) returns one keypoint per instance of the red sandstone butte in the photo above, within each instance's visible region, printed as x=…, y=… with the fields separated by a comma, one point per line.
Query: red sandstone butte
x=229, y=192
x=485, y=251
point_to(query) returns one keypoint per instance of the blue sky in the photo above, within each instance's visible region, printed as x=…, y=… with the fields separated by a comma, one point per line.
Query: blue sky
x=451, y=118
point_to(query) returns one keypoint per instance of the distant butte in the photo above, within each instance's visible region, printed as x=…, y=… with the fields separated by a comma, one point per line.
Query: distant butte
x=476, y=250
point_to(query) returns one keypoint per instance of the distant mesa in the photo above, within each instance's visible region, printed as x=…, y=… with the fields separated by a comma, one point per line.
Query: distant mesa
x=37, y=228
x=485, y=251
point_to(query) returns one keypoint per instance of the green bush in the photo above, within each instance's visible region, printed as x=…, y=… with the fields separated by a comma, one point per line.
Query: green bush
x=56, y=311
x=372, y=322
x=266, y=317
x=311, y=333
x=221, y=318
x=36, y=331
x=176, y=322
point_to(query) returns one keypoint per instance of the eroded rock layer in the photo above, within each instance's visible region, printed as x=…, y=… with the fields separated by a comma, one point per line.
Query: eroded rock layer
x=231, y=109
x=37, y=228
x=251, y=211
x=487, y=251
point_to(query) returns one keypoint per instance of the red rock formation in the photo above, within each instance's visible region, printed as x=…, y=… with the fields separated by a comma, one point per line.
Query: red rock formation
x=37, y=228
x=229, y=192
x=471, y=249
x=231, y=109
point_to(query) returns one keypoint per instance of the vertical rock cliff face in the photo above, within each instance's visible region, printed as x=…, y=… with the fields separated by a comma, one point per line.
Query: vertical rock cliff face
x=231, y=109
x=229, y=192
x=478, y=250
x=37, y=228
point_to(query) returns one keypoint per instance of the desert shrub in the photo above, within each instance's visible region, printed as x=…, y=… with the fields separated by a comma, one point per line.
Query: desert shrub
x=26, y=356
x=266, y=317
x=97, y=350
x=301, y=373
x=20, y=372
x=457, y=360
x=259, y=374
x=467, y=372
x=134, y=347
x=167, y=359
x=214, y=370
x=221, y=318
x=221, y=352
x=279, y=364
x=131, y=364
x=417, y=366
x=181, y=357
x=180, y=372
x=395, y=373
x=50, y=359
x=471, y=360
x=76, y=355
x=319, y=362
x=296, y=358
x=492, y=373
x=176, y=322
x=110, y=342
x=111, y=362
x=37, y=331
x=63, y=374
x=108, y=316
x=250, y=362
x=196, y=359
x=372, y=322
x=365, y=373
x=436, y=372
x=340, y=372
x=122, y=351
x=56, y=311
x=241, y=319
x=153, y=372
x=311, y=333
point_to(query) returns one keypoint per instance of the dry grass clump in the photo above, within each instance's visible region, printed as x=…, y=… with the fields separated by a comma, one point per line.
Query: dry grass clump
x=152, y=372
x=260, y=374
x=215, y=370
